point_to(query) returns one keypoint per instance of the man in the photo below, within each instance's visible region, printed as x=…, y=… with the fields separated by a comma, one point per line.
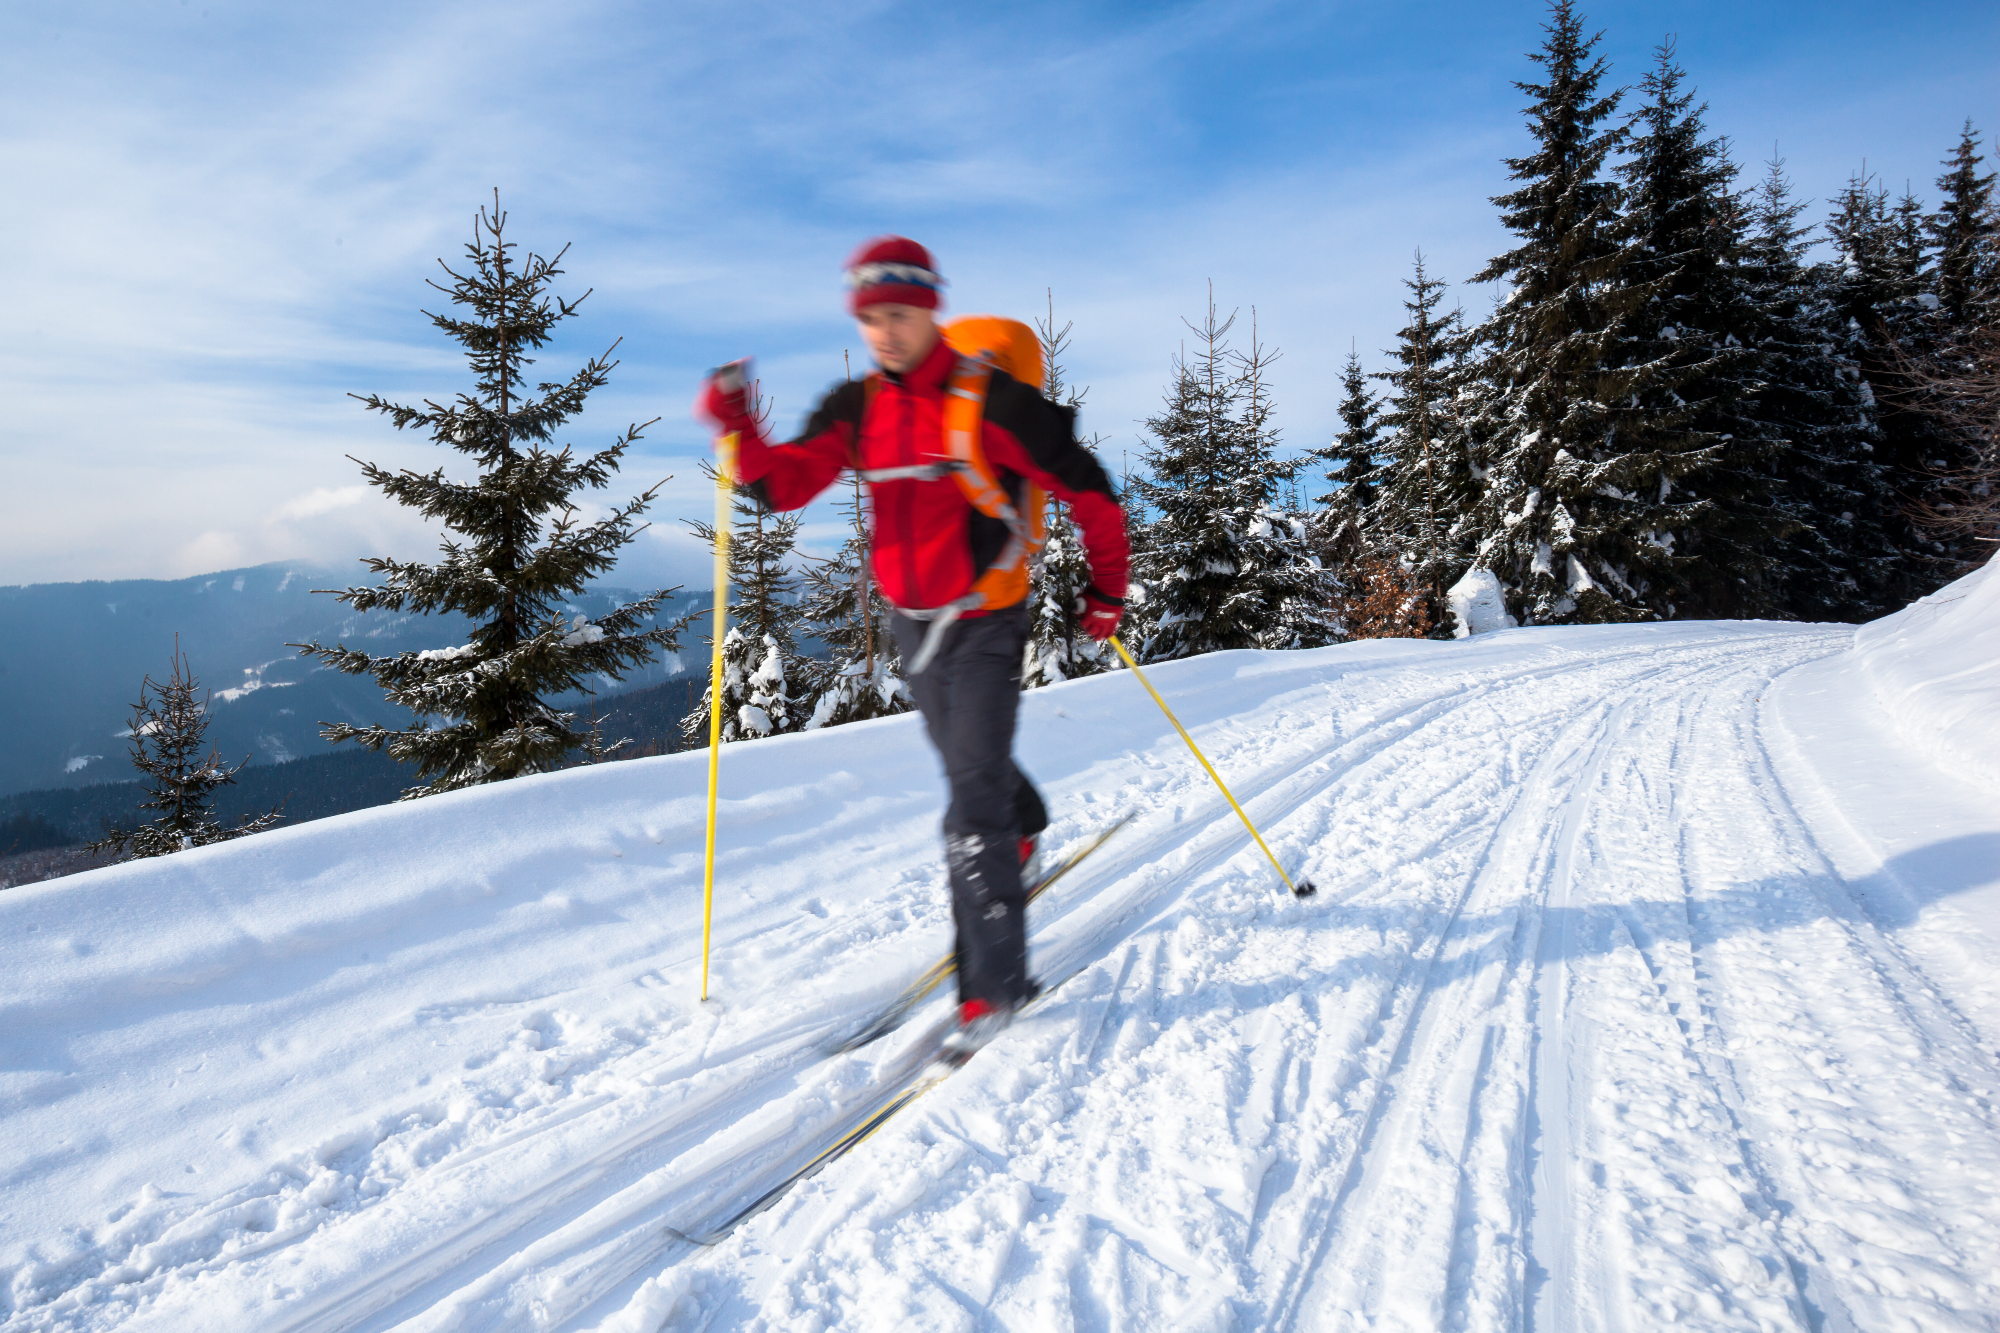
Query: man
x=930, y=546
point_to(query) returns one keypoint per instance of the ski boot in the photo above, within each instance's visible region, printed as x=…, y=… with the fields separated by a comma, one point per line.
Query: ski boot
x=1031, y=860
x=979, y=1022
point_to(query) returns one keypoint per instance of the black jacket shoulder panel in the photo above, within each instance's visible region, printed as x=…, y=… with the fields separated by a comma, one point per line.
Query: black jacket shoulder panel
x=842, y=403
x=1047, y=431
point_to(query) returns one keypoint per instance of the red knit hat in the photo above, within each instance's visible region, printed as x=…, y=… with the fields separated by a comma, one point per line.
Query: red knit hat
x=892, y=269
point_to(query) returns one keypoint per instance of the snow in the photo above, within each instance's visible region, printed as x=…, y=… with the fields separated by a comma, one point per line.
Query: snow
x=1936, y=667
x=582, y=631
x=1649, y=984
x=1478, y=604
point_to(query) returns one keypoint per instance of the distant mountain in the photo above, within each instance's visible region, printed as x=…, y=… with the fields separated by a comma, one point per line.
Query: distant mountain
x=308, y=789
x=75, y=653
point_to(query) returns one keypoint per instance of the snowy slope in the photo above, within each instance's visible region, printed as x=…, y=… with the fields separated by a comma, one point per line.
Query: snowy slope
x=1936, y=665
x=1649, y=980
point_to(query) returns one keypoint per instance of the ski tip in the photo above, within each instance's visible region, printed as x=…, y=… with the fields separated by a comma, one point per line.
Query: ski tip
x=1305, y=888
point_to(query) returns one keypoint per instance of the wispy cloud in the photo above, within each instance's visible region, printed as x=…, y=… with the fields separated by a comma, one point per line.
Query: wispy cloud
x=227, y=211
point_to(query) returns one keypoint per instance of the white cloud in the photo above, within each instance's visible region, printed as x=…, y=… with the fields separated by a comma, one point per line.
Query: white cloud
x=321, y=500
x=231, y=218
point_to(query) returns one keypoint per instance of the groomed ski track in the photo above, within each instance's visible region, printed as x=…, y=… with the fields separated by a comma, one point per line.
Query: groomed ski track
x=1617, y=1009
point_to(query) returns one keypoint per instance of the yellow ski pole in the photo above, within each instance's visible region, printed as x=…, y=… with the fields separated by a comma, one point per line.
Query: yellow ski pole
x=725, y=476
x=1304, y=888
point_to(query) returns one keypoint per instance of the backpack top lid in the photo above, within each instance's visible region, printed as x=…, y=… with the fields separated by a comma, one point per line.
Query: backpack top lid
x=1006, y=343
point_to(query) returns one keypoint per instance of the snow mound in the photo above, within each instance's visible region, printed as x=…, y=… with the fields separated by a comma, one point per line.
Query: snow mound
x=1478, y=604
x=1936, y=666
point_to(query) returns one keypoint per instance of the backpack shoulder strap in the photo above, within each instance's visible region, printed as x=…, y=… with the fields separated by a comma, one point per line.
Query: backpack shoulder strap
x=964, y=418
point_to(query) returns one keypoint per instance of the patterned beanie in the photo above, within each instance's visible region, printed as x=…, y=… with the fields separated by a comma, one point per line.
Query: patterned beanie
x=892, y=269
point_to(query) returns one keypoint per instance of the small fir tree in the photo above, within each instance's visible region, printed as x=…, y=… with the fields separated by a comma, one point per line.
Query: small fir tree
x=1355, y=459
x=1221, y=566
x=1417, y=524
x=766, y=684
x=1057, y=647
x=1965, y=234
x=520, y=545
x=169, y=735
x=863, y=676
x=1282, y=543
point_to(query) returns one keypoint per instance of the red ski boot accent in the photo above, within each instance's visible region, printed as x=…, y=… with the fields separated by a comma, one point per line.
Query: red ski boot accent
x=979, y=1021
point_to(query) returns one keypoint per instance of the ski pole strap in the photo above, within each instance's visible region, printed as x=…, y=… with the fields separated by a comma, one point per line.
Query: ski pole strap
x=1301, y=890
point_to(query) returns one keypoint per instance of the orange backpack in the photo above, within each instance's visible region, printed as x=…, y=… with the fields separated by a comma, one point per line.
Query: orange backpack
x=983, y=342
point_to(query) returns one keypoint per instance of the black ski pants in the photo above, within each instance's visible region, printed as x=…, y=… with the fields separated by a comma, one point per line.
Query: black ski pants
x=969, y=695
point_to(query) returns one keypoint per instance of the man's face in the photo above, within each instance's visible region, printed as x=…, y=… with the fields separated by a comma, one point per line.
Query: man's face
x=899, y=337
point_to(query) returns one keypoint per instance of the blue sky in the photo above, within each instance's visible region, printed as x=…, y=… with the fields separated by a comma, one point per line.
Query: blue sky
x=221, y=215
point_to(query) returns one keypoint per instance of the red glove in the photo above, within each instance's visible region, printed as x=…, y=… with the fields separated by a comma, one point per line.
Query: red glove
x=1099, y=612
x=725, y=398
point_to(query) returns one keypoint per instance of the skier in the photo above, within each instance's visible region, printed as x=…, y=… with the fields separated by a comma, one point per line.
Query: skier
x=942, y=561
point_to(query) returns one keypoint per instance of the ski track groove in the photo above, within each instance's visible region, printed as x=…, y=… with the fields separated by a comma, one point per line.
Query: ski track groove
x=1284, y=1302
x=1482, y=1071
x=1945, y=1037
x=1273, y=796
x=1391, y=1106
x=385, y=1294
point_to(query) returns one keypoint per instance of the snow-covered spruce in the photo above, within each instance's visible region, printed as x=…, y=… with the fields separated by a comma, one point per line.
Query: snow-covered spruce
x=169, y=734
x=766, y=688
x=863, y=674
x=1222, y=564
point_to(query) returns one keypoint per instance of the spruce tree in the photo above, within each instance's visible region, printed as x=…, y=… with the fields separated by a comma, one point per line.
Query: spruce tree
x=1357, y=448
x=766, y=684
x=1223, y=568
x=169, y=732
x=1356, y=457
x=1420, y=519
x=1693, y=332
x=1577, y=514
x=1884, y=291
x=1058, y=648
x=1965, y=231
x=519, y=544
x=1835, y=561
x=1282, y=542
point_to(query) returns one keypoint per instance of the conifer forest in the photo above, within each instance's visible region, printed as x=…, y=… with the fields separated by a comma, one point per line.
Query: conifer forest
x=1692, y=396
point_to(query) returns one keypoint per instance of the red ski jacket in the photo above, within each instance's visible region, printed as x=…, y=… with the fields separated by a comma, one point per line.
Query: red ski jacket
x=929, y=542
